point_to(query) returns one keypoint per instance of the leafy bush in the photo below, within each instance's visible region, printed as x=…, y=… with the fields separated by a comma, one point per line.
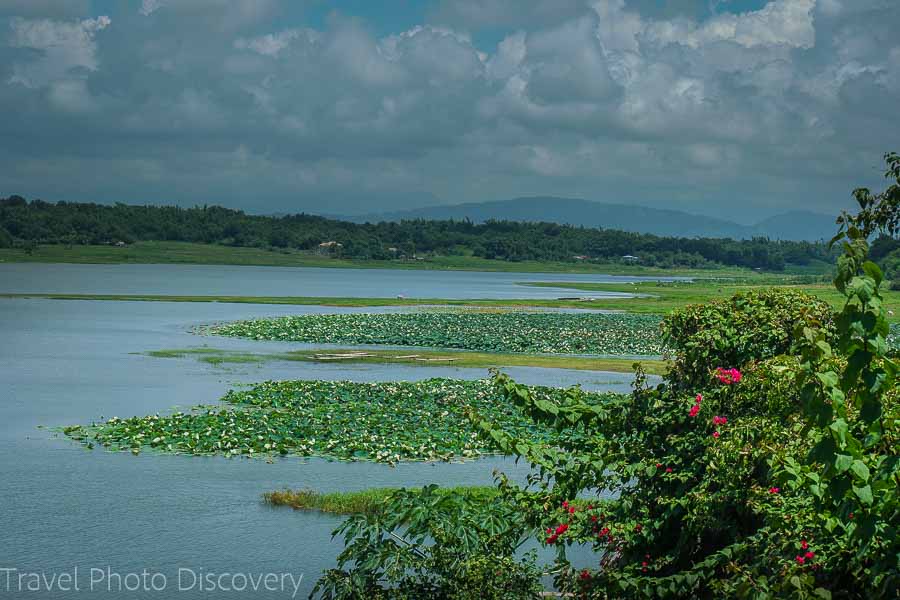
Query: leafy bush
x=765, y=466
x=450, y=549
x=749, y=326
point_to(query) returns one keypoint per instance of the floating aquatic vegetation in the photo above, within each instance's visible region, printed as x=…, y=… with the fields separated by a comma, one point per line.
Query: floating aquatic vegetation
x=552, y=333
x=385, y=422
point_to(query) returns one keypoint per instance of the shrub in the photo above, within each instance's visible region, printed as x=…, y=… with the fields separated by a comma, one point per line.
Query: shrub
x=452, y=547
x=748, y=326
x=766, y=466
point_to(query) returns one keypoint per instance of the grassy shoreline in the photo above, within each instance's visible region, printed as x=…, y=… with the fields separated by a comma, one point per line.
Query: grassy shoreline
x=650, y=297
x=335, y=301
x=210, y=254
x=661, y=297
x=417, y=357
x=368, y=501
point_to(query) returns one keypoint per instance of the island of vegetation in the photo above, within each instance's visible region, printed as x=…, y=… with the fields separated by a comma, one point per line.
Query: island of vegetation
x=532, y=332
x=386, y=422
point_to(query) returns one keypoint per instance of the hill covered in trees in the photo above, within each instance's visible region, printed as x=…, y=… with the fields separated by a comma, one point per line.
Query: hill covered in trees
x=25, y=224
x=795, y=225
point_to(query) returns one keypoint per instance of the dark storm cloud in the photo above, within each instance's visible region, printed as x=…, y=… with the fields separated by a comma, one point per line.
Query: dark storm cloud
x=789, y=104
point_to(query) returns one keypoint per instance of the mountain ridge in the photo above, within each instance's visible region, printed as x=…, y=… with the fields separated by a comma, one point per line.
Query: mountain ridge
x=792, y=225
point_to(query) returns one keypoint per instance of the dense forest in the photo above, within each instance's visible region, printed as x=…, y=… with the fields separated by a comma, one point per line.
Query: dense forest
x=25, y=224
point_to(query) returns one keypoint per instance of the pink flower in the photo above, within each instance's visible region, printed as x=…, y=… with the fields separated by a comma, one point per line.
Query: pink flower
x=717, y=420
x=774, y=490
x=800, y=560
x=696, y=407
x=810, y=555
x=561, y=529
x=728, y=376
x=668, y=469
x=804, y=544
x=571, y=510
x=716, y=434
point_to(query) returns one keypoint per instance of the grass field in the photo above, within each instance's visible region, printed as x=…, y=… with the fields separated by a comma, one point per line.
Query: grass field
x=320, y=300
x=661, y=297
x=655, y=297
x=210, y=254
x=417, y=358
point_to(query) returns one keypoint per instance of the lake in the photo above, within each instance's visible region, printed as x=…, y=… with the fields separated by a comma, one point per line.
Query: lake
x=214, y=280
x=72, y=362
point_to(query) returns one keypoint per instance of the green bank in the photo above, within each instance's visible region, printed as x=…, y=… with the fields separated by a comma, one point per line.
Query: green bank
x=485, y=360
x=213, y=254
x=366, y=502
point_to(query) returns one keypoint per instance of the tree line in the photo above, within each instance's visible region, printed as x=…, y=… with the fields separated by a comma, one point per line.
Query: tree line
x=26, y=224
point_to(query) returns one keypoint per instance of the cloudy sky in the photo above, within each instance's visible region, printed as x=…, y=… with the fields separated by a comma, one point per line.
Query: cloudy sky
x=738, y=108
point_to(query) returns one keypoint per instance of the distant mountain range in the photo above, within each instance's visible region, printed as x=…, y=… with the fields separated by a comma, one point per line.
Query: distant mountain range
x=794, y=225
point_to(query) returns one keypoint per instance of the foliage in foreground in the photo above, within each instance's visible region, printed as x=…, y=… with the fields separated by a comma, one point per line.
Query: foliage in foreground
x=450, y=547
x=563, y=333
x=765, y=466
x=385, y=422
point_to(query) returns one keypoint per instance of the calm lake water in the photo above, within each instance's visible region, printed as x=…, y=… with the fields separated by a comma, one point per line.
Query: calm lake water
x=213, y=280
x=72, y=362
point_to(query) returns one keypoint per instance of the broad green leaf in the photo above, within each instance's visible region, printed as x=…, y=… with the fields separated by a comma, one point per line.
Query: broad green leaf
x=864, y=494
x=842, y=462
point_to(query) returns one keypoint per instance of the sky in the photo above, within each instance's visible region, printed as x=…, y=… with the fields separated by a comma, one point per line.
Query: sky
x=739, y=109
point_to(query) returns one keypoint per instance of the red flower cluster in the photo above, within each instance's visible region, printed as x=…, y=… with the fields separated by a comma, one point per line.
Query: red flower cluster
x=774, y=490
x=696, y=407
x=728, y=376
x=553, y=534
x=806, y=556
x=717, y=420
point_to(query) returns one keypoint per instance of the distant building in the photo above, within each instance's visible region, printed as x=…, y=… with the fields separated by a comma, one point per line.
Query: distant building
x=630, y=258
x=329, y=247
